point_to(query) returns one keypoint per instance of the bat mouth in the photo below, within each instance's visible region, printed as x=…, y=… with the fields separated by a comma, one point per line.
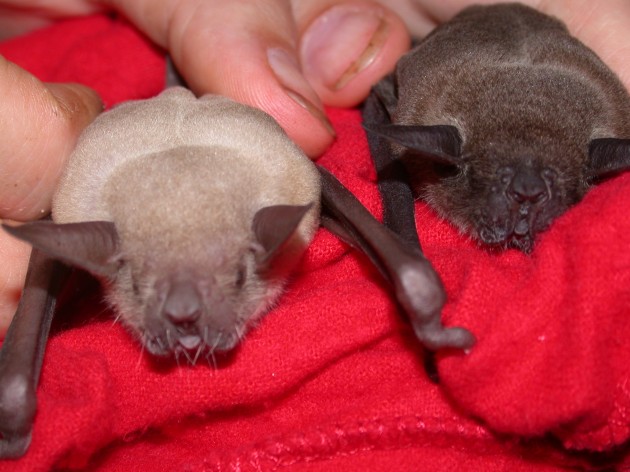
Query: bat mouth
x=523, y=233
x=522, y=243
x=178, y=323
x=518, y=208
x=519, y=233
x=500, y=238
x=192, y=344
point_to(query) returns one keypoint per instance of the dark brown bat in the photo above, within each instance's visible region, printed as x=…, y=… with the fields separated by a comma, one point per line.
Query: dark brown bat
x=503, y=120
x=500, y=120
x=192, y=212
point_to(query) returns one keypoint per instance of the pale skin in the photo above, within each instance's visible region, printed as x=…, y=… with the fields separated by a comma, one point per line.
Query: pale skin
x=304, y=54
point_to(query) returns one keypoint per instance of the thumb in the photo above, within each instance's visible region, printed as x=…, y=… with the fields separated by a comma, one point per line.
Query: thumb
x=347, y=46
x=41, y=123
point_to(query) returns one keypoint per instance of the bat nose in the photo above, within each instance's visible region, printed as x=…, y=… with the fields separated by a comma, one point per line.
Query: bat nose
x=527, y=186
x=183, y=303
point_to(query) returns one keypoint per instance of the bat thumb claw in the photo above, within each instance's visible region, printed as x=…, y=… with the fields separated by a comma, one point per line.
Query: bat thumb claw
x=438, y=337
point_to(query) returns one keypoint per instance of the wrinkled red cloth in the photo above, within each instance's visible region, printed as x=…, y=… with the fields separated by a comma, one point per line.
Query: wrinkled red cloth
x=333, y=379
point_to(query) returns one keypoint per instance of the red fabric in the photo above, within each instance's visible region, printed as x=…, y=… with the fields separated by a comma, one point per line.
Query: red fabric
x=333, y=379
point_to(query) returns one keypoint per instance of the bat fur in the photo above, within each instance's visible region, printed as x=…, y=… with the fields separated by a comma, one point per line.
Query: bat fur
x=188, y=264
x=503, y=121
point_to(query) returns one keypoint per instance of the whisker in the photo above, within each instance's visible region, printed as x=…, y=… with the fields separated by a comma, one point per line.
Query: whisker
x=214, y=359
x=199, y=350
x=216, y=341
x=168, y=339
x=179, y=370
x=234, y=339
x=240, y=331
x=142, y=347
x=187, y=355
x=116, y=318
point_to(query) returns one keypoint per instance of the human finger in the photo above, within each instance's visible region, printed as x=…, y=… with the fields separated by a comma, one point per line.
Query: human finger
x=40, y=125
x=346, y=47
x=249, y=52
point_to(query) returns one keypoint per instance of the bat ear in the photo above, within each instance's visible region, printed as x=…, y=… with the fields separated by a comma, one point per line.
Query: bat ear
x=274, y=225
x=382, y=102
x=91, y=245
x=441, y=143
x=607, y=157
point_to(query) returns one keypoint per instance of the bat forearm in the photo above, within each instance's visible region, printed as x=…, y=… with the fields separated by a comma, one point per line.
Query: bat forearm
x=23, y=351
x=416, y=285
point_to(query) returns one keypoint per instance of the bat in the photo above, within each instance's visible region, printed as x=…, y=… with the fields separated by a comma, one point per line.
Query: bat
x=192, y=213
x=500, y=120
x=146, y=204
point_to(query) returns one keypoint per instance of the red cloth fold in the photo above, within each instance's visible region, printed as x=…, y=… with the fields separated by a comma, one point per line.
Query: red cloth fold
x=333, y=378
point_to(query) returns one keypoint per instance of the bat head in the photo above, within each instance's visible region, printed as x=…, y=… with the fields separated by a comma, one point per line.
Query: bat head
x=503, y=195
x=205, y=305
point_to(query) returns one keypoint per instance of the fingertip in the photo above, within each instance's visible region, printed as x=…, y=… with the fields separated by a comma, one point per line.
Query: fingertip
x=348, y=47
x=247, y=51
x=306, y=123
x=80, y=104
x=295, y=107
x=265, y=74
x=43, y=125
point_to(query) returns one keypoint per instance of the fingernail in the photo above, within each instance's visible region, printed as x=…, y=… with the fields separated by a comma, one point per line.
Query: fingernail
x=288, y=72
x=342, y=42
x=76, y=100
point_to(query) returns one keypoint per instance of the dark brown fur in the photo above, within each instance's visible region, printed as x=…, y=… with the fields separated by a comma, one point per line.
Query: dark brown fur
x=527, y=100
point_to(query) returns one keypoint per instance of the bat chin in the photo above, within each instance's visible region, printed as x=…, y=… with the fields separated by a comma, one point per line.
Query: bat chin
x=500, y=238
x=515, y=225
x=193, y=343
x=522, y=243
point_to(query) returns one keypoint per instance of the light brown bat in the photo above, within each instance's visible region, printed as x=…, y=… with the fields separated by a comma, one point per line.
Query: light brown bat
x=184, y=269
x=192, y=213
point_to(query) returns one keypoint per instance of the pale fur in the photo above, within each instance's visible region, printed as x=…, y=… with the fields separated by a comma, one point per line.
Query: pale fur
x=176, y=118
x=182, y=179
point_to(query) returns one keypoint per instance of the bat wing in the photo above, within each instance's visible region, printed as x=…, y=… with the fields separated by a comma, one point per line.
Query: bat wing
x=398, y=252
x=88, y=245
x=393, y=183
x=416, y=285
x=23, y=351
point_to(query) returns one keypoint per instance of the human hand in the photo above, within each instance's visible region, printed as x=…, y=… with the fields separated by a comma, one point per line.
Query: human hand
x=40, y=124
x=286, y=57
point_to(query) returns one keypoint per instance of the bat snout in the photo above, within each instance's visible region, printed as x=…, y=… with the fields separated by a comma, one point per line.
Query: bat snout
x=527, y=186
x=191, y=317
x=182, y=309
x=517, y=207
x=183, y=304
